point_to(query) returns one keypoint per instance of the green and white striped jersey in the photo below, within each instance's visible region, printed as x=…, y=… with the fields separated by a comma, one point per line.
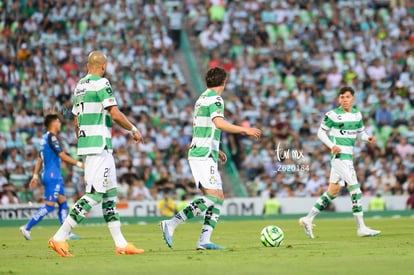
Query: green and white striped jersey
x=343, y=129
x=206, y=137
x=91, y=96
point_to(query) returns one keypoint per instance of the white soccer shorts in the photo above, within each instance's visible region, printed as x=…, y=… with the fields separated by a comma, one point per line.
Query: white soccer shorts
x=206, y=174
x=100, y=172
x=343, y=171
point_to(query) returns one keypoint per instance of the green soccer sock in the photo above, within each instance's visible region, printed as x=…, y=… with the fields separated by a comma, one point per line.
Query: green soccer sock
x=194, y=208
x=112, y=218
x=77, y=214
x=322, y=203
x=210, y=220
x=213, y=213
x=356, y=196
x=109, y=206
x=84, y=205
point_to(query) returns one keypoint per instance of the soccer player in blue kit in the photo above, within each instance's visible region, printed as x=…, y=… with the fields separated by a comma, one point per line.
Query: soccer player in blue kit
x=50, y=156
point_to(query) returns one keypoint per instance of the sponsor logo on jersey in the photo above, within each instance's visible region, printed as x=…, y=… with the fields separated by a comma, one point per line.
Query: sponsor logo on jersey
x=344, y=132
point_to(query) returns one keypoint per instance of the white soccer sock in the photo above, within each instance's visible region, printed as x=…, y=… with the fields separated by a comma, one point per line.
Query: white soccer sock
x=64, y=230
x=206, y=231
x=176, y=221
x=115, y=229
x=359, y=218
x=312, y=214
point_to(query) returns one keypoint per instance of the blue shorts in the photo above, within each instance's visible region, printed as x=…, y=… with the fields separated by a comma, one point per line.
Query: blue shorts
x=53, y=188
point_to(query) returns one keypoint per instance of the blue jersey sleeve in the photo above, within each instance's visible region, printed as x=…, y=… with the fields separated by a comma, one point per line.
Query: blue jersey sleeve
x=54, y=144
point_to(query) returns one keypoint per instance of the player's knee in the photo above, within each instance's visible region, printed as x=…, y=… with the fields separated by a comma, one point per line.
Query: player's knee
x=50, y=203
x=214, y=192
x=49, y=208
x=61, y=199
x=334, y=189
x=334, y=194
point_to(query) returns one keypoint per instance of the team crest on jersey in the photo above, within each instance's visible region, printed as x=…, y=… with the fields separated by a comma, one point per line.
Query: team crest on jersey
x=212, y=180
x=105, y=181
x=53, y=138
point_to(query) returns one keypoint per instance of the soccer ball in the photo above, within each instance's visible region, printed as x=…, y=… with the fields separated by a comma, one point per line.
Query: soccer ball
x=272, y=235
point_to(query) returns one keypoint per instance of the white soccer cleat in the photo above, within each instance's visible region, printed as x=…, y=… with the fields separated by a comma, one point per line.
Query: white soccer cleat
x=25, y=233
x=73, y=237
x=209, y=246
x=307, y=225
x=166, y=233
x=367, y=232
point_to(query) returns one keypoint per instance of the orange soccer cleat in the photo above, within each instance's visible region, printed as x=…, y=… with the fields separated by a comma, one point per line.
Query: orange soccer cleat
x=61, y=248
x=129, y=249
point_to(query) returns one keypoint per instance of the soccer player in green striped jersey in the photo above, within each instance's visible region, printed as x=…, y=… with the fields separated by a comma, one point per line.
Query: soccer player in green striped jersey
x=95, y=108
x=203, y=156
x=339, y=130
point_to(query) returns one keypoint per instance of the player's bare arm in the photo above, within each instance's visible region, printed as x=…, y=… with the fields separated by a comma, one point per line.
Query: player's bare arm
x=225, y=126
x=371, y=139
x=335, y=150
x=76, y=124
x=222, y=157
x=36, y=170
x=123, y=121
x=66, y=158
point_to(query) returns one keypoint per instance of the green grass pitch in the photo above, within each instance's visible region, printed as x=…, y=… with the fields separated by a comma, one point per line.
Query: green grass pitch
x=336, y=250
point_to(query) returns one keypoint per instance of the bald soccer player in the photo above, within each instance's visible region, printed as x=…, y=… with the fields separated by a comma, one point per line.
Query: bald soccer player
x=95, y=108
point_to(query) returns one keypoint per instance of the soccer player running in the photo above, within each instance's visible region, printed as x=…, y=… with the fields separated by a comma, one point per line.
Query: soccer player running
x=339, y=130
x=95, y=109
x=204, y=153
x=50, y=156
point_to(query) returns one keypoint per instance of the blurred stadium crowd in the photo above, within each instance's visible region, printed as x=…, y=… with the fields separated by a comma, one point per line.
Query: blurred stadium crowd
x=286, y=60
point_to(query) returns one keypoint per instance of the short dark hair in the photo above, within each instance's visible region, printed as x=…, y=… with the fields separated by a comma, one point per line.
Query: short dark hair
x=49, y=119
x=215, y=77
x=346, y=89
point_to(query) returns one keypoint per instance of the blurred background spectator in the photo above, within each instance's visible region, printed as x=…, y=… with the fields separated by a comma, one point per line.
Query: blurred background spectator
x=377, y=203
x=272, y=205
x=286, y=60
x=42, y=51
x=166, y=204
